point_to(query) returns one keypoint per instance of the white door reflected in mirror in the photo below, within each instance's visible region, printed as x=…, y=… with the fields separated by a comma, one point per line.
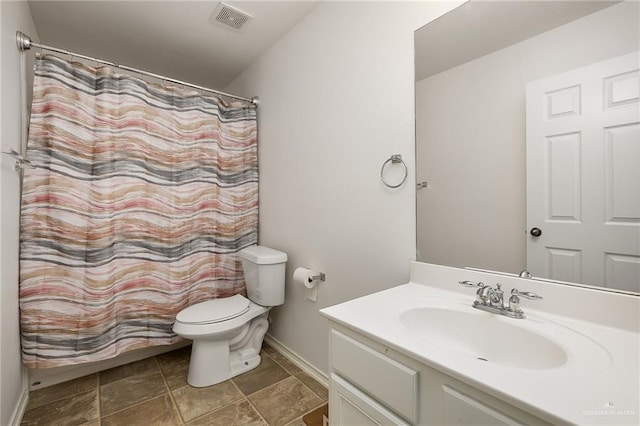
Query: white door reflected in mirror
x=583, y=175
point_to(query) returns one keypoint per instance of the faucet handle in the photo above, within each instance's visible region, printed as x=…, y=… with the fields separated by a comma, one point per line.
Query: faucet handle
x=498, y=295
x=468, y=283
x=525, y=294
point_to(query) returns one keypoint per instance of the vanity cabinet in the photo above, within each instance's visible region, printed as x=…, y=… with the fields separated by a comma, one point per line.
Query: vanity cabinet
x=372, y=384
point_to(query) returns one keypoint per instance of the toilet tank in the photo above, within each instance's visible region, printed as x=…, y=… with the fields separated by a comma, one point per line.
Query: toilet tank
x=264, y=270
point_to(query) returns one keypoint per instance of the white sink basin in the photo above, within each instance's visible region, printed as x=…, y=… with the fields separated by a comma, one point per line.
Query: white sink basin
x=485, y=337
x=578, y=367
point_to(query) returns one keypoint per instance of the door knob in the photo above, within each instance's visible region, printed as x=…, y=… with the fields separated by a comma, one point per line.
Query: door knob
x=535, y=232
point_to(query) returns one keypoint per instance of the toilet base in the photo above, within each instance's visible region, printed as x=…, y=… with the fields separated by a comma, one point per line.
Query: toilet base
x=214, y=361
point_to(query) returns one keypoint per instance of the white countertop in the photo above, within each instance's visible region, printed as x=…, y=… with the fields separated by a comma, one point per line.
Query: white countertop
x=580, y=391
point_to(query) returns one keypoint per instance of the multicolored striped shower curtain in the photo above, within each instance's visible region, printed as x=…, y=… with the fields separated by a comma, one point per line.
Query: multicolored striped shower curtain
x=142, y=198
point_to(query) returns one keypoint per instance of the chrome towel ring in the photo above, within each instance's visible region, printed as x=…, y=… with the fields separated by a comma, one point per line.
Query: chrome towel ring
x=394, y=159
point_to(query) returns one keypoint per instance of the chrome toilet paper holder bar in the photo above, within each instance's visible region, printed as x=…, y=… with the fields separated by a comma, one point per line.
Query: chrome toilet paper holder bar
x=319, y=277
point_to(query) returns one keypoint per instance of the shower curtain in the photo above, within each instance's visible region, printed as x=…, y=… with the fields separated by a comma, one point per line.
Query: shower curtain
x=142, y=197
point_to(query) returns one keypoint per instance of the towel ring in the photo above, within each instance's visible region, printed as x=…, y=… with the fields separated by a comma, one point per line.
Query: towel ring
x=394, y=159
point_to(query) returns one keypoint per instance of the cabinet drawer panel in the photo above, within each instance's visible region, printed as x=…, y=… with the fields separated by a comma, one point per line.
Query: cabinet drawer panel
x=350, y=406
x=393, y=384
x=461, y=409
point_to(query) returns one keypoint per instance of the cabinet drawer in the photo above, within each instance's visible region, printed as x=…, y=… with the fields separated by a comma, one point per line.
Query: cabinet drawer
x=391, y=383
x=350, y=406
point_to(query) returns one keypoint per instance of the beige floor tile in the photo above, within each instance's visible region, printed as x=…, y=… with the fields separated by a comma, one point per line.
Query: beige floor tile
x=113, y=374
x=44, y=396
x=157, y=411
x=268, y=348
x=175, y=355
x=195, y=402
x=132, y=390
x=240, y=413
x=284, y=401
x=175, y=367
x=285, y=362
x=314, y=385
x=136, y=394
x=71, y=411
x=265, y=374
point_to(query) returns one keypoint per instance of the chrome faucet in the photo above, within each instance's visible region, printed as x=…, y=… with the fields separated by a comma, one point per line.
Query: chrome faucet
x=496, y=297
x=492, y=300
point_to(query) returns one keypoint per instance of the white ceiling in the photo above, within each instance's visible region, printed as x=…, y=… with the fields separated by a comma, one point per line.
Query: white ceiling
x=480, y=27
x=171, y=38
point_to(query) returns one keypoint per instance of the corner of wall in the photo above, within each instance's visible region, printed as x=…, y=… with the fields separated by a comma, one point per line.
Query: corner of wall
x=23, y=400
x=15, y=15
x=337, y=100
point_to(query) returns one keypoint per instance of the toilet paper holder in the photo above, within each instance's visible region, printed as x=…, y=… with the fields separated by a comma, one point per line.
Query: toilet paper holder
x=319, y=277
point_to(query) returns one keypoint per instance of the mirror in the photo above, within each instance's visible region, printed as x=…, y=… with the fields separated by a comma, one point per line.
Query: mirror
x=473, y=66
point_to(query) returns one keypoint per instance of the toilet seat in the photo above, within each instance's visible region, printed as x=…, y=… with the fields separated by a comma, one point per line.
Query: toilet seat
x=214, y=310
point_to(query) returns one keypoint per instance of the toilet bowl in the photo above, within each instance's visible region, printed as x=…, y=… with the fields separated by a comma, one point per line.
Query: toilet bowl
x=227, y=333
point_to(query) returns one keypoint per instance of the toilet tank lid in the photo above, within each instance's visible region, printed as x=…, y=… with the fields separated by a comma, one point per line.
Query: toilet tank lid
x=262, y=255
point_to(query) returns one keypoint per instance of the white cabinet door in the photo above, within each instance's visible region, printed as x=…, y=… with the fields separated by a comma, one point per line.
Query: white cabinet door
x=583, y=175
x=350, y=406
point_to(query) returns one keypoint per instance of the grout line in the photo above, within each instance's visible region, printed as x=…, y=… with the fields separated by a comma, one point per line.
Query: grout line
x=174, y=405
x=48, y=389
x=99, y=396
x=281, y=365
x=258, y=412
x=297, y=360
x=322, y=401
x=272, y=384
x=296, y=419
x=132, y=406
x=278, y=364
x=309, y=387
x=148, y=399
x=246, y=398
x=216, y=409
x=264, y=389
x=296, y=374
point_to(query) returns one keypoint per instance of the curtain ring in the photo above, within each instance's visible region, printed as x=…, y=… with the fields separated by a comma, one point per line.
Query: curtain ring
x=394, y=159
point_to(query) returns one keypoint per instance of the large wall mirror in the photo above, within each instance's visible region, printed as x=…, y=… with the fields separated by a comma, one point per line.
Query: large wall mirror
x=528, y=140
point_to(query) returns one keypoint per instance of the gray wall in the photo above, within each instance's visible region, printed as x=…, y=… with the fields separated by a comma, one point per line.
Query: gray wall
x=337, y=101
x=15, y=16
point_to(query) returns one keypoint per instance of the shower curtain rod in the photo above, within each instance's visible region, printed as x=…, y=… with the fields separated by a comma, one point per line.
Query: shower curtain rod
x=24, y=43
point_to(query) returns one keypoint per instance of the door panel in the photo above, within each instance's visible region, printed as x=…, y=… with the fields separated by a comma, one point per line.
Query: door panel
x=583, y=175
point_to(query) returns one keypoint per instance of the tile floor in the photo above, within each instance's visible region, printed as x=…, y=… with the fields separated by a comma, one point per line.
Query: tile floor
x=154, y=391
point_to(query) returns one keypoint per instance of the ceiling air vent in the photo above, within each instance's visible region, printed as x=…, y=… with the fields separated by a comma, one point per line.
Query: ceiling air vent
x=230, y=17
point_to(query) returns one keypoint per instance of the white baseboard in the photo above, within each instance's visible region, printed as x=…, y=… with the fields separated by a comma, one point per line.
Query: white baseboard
x=21, y=406
x=300, y=362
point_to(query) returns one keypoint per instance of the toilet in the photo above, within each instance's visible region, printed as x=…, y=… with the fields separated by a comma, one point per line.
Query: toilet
x=227, y=333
